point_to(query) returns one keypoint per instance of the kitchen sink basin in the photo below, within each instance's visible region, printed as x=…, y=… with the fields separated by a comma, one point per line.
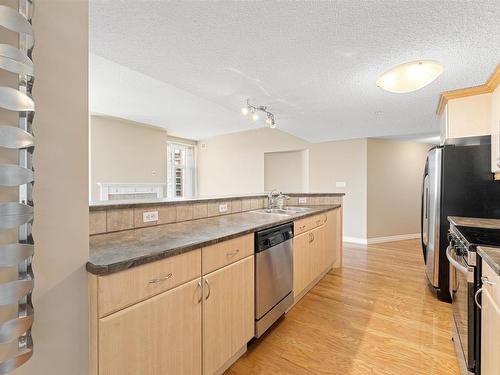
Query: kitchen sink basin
x=296, y=210
x=274, y=211
x=286, y=211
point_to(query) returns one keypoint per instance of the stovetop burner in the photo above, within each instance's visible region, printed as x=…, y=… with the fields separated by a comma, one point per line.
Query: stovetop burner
x=480, y=236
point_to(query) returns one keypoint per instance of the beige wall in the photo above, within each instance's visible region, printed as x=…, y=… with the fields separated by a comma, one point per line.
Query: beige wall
x=342, y=161
x=395, y=171
x=287, y=171
x=234, y=163
x=125, y=151
x=60, y=331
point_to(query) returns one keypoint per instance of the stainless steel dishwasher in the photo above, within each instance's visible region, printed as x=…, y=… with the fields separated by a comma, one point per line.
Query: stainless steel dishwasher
x=273, y=275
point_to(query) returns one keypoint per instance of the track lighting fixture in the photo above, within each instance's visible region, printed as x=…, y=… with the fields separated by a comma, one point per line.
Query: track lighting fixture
x=254, y=112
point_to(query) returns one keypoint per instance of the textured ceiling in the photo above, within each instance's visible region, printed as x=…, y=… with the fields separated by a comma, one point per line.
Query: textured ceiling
x=312, y=63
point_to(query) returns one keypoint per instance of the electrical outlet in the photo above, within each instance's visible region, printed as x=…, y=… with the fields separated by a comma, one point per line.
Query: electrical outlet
x=302, y=200
x=149, y=216
x=223, y=207
x=340, y=184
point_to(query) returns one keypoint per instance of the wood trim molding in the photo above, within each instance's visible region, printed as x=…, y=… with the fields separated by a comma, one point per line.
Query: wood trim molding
x=486, y=88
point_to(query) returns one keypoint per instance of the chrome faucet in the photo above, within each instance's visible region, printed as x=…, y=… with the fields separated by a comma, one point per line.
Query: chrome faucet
x=273, y=199
x=270, y=198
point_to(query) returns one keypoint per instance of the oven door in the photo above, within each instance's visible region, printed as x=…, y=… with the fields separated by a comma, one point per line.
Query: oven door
x=462, y=294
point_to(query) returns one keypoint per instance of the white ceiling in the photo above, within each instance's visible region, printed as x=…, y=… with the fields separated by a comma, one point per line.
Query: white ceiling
x=189, y=66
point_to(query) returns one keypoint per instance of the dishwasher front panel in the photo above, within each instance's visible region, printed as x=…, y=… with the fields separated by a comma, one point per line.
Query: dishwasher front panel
x=273, y=276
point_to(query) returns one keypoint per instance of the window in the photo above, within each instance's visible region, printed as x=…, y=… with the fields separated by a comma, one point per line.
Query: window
x=181, y=170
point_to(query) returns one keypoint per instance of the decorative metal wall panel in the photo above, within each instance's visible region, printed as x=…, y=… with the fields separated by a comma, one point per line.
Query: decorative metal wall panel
x=13, y=20
x=15, y=175
x=14, y=60
x=11, y=137
x=15, y=100
x=18, y=215
x=15, y=253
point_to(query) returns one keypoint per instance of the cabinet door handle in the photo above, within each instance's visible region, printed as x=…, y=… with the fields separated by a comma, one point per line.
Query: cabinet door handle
x=200, y=286
x=209, y=289
x=161, y=279
x=232, y=253
x=318, y=222
x=477, y=295
x=311, y=237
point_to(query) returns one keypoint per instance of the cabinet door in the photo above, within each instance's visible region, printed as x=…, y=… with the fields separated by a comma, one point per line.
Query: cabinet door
x=302, y=263
x=333, y=237
x=495, y=131
x=228, y=313
x=318, y=252
x=159, y=336
x=490, y=323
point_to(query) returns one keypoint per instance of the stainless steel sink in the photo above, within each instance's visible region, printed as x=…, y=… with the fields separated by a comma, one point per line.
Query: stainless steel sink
x=285, y=211
x=297, y=210
x=274, y=211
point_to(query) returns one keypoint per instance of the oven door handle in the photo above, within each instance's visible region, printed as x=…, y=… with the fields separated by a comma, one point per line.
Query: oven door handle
x=467, y=271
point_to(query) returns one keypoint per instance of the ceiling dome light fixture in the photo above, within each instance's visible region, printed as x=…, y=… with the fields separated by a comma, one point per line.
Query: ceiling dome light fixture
x=254, y=111
x=410, y=76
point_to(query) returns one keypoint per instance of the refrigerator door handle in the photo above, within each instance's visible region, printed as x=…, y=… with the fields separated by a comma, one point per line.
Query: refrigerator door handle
x=423, y=203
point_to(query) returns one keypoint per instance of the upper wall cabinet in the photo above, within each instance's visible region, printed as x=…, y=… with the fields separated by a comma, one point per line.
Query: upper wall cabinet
x=466, y=117
x=495, y=130
x=473, y=112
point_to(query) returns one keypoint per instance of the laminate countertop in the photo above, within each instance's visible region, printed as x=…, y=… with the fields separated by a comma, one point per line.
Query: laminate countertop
x=460, y=221
x=491, y=255
x=114, y=252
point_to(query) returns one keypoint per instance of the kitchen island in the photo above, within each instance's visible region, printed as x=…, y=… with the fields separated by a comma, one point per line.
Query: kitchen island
x=180, y=298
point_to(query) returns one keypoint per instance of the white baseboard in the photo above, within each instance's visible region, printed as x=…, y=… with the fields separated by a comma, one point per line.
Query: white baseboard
x=368, y=241
x=400, y=237
x=357, y=240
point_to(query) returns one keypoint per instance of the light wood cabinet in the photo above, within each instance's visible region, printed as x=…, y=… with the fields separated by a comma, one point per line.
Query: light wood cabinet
x=308, y=223
x=333, y=237
x=466, y=117
x=159, y=336
x=301, y=264
x=226, y=252
x=228, y=313
x=310, y=259
x=495, y=130
x=490, y=323
x=122, y=289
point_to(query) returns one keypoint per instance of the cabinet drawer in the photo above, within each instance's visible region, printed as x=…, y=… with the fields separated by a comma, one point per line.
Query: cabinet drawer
x=227, y=252
x=304, y=225
x=128, y=287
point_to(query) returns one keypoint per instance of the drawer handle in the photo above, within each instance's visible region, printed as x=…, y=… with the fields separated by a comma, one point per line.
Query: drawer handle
x=232, y=253
x=209, y=289
x=485, y=280
x=318, y=222
x=161, y=279
x=302, y=227
x=311, y=237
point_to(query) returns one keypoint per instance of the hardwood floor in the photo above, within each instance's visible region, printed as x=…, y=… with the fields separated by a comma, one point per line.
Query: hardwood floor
x=376, y=315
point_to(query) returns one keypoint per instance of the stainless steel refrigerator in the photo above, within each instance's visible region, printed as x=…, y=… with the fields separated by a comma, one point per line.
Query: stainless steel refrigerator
x=457, y=182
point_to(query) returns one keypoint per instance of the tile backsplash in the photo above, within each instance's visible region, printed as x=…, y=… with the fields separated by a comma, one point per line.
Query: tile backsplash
x=113, y=219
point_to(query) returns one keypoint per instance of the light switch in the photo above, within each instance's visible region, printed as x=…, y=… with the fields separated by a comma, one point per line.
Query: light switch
x=223, y=207
x=340, y=184
x=302, y=200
